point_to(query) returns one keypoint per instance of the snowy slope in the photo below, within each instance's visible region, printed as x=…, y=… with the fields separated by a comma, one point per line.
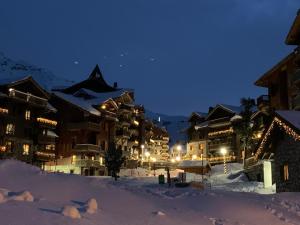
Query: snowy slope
x=131, y=201
x=175, y=125
x=17, y=69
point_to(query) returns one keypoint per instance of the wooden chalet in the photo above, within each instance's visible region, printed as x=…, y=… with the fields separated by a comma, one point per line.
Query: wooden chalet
x=214, y=133
x=94, y=114
x=283, y=80
x=280, y=146
x=27, y=121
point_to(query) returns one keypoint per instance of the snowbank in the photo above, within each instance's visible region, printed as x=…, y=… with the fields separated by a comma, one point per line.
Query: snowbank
x=71, y=211
x=23, y=196
x=91, y=206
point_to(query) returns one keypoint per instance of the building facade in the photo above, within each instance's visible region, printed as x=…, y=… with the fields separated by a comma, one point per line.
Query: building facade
x=27, y=123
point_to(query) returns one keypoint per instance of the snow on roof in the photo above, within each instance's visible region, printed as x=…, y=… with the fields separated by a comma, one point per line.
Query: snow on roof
x=99, y=98
x=51, y=107
x=11, y=79
x=193, y=163
x=232, y=108
x=51, y=133
x=77, y=101
x=293, y=117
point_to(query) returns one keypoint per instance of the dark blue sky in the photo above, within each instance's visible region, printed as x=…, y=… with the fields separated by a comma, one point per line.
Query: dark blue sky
x=179, y=55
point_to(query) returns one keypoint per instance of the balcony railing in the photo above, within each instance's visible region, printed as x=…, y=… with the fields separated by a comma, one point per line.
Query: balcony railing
x=84, y=125
x=46, y=139
x=88, y=148
x=87, y=163
x=263, y=100
x=27, y=97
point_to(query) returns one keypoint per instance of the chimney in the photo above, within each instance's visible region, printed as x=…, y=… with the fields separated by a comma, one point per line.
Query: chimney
x=115, y=84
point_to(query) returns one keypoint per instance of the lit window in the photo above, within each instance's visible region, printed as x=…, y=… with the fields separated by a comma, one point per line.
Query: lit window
x=286, y=172
x=8, y=146
x=10, y=128
x=26, y=148
x=50, y=147
x=27, y=115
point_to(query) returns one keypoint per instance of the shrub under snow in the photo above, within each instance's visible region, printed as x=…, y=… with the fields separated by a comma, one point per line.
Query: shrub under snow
x=91, y=206
x=24, y=196
x=71, y=211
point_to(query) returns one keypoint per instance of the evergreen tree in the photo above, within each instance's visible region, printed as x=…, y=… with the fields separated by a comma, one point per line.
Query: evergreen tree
x=114, y=160
x=244, y=126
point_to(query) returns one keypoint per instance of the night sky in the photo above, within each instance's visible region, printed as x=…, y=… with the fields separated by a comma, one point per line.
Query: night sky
x=178, y=55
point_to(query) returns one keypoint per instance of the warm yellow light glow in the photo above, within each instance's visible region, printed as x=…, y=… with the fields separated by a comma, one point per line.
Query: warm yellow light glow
x=173, y=160
x=223, y=151
x=259, y=135
x=194, y=157
x=101, y=161
x=2, y=110
x=147, y=154
x=228, y=131
x=142, y=146
x=178, y=158
x=47, y=121
x=103, y=106
x=136, y=122
x=179, y=147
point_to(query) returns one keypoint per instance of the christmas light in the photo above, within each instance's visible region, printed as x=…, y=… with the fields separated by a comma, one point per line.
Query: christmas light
x=282, y=125
x=228, y=131
x=2, y=110
x=43, y=120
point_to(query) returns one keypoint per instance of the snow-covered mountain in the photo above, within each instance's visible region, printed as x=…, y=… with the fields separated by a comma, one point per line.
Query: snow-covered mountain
x=12, y=69
x=175, y=125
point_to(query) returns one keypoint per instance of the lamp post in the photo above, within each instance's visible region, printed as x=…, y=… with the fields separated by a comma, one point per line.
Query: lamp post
x=224, y=152
x=179, y=148
x=147, y=154
x=142, y=147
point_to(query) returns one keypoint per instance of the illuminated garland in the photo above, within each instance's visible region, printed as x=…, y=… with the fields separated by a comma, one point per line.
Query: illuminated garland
x=47, y=121
x=228, y=131
x=281, y=124
x=2, y=110
x=52, y=155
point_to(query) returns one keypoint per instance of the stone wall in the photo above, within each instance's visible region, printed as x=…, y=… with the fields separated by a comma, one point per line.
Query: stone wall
x=287, y=153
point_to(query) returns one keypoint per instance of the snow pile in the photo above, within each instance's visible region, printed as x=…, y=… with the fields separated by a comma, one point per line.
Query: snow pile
x=159, y=213
x=23, y=196
x=91, y=206
x=71, y=211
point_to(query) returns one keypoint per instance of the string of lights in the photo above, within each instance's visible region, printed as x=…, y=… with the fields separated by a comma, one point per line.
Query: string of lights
x=282, y=125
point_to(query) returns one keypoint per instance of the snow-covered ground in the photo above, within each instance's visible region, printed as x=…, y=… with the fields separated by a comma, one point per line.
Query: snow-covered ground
x=33, y=197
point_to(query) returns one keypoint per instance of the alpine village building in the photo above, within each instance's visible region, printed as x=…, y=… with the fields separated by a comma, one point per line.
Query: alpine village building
x=277, y=157
x=210, y=132
x=69, y=129
x=27, y=122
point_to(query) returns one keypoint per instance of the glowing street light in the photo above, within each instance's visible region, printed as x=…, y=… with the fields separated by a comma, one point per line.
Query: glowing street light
x=178, y=158
x=194, y=157
x=223, y=151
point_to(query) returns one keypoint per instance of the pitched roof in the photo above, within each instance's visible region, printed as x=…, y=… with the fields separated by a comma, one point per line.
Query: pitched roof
x=95, y=82
x=288, y=120
x=293, y=37
x=229, y=108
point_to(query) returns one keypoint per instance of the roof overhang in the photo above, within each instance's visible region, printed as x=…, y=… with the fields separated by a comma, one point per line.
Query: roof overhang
x=265, y=79
x=293, y=37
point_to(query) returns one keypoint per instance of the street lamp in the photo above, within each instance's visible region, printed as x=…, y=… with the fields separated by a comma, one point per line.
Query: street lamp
x=194, y=157
x=142, y=147
x=223, y=151
x=147, y=154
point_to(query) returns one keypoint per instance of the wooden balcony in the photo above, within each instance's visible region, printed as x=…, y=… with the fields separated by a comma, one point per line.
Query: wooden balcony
x=27, y=97
x=44, y=139
x=122, y=134
x=263, y=101
x=87, y=163
x=84, y=126
x=88, y=148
